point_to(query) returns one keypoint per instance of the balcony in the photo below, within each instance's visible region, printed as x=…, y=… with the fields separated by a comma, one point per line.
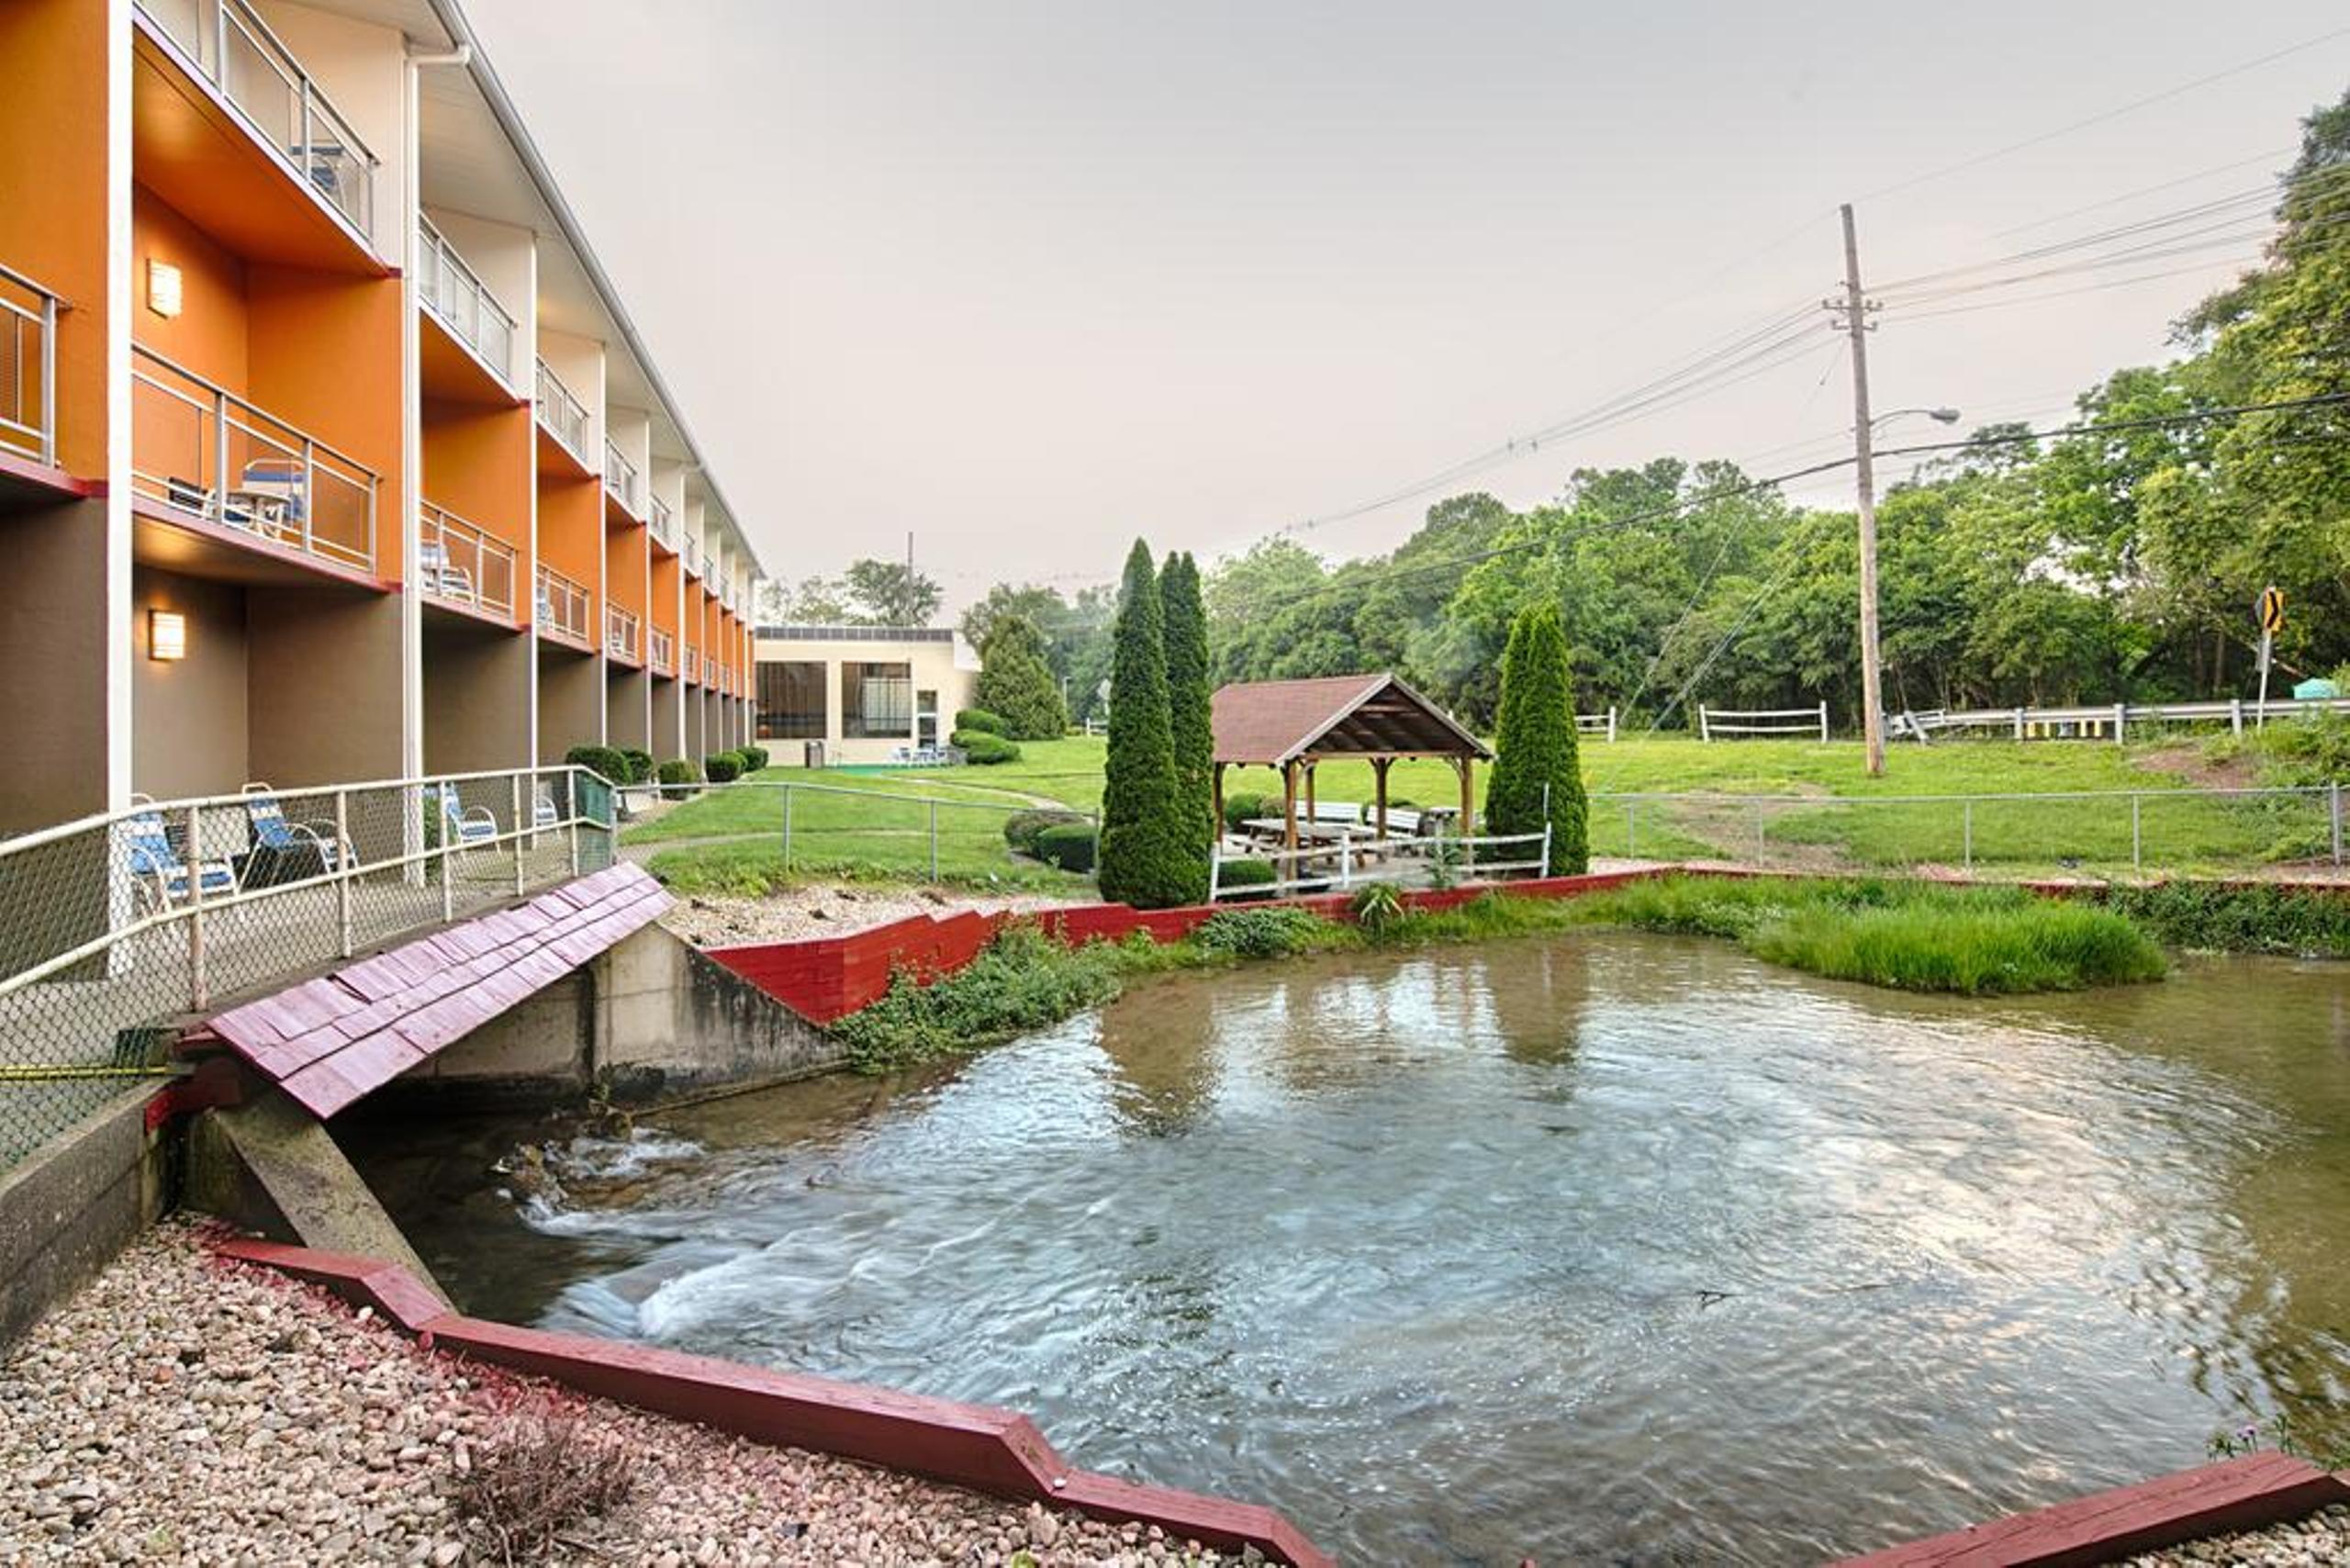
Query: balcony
x=233, y=49
x=201, y=450
x=665, y=524
x=563, y=416
x=563, y=607
x=693, y=665
x=621, y=479
x=27, y=368
x=693, y=557
x=662, y=650
x=462, y=303
x=619, y=632
x=459, y=565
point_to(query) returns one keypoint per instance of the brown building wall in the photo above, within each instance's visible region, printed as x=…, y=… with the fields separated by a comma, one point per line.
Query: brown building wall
x=190, y=732
x=324, y=684
x=476, y=696
x=571, y=691
x=53, y=636
x=627, y=708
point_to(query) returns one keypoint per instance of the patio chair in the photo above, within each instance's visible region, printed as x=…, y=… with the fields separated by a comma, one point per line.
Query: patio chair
x=162, y=879
x=441, y=575
x=281, y=480
x=544, y=813
x=279, y=840
x=464, y=826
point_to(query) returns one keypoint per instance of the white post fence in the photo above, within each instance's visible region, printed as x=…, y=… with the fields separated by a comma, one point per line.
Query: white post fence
x=1353, y=860
x=1761, y=722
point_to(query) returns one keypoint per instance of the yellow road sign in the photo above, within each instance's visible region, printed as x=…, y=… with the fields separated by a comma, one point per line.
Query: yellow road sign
x=2272, y=609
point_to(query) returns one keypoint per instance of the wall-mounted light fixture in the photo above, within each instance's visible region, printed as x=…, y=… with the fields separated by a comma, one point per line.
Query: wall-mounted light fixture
x=166, y=635
x=163, y=288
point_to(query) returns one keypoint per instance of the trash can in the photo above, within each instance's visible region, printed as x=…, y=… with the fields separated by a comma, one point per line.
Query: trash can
x=812, y=754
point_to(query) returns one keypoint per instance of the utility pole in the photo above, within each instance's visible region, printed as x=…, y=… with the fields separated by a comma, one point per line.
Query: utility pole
x=1856, y=309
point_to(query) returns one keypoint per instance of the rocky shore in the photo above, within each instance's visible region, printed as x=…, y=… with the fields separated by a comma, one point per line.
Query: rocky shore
x=2322, y=1539
x=184, y=1408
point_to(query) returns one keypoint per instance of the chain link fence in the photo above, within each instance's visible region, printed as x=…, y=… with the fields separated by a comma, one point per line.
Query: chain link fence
x=751, y=832
x=114, y=928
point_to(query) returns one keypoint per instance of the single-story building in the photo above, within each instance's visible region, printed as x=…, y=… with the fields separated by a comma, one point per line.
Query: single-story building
x=863, y=693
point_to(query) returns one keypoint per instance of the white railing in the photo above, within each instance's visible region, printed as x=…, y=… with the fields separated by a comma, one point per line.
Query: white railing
x=563, y=606
x=664, y=523
x=619, y=632
x=2108, y=720
x=693, y=559
x=693, y=665
x=261, y=78
x=1350, y=858
x=120, y=924
x=1597, y=723
x=459, y=563
x=460, y=301
x=1712, y=721
x=661, y=650
x=621, y=478
x=201, y=449
x=564, y=416
x=28, y=367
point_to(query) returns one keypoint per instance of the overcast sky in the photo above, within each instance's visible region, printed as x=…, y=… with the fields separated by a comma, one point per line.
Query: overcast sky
x=1029, y=279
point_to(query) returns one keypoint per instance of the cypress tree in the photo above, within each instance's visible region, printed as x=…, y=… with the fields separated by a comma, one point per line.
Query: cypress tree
x=1534, y=744
x=1142, y=860
x=1017, y=685
x=1189, y=722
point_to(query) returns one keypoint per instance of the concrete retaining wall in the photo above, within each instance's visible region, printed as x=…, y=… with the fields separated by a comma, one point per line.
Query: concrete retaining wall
x=67, y=1208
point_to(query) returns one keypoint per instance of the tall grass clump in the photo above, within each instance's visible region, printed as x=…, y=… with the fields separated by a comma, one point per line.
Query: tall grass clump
x=1023, y=979
x=1974, y=952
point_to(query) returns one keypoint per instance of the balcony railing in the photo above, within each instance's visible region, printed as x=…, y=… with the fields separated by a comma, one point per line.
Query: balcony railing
x=693, y=557
x=562, y=606
x=201, y=449
x=564, y=416
x=664, y=523
x=460, y=301
x=621, y=478
x=693, y=665
x=260, y=77
x=28, y=367
x=619, y=632
x=458, y=564
x=663, y=649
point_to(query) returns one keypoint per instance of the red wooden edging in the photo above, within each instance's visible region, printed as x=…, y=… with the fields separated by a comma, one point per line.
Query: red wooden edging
x=976, y=1446
x=2250, y=1493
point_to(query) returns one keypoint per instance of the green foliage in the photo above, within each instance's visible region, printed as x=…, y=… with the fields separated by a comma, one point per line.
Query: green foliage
x=2236, y=917
x=677, y=777
x=602, y=760
x=1263, y=933
x=1021, y=828
x=723, y=767
x=1023, y=980
x=639, y=765
x=1538, y=776
x=979, y=719
x=984, y=749
x=1018, y=682
x=1247, y=874
x=755, y=757
x=890, y=593
x=1377, y=907
x=1146, y=860
x=1072, y=847
x=2302, y=753
x=1190, y=725
x=1239, y=809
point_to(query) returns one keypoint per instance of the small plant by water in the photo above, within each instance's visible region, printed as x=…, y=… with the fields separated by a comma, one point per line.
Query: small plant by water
x=544, y=1473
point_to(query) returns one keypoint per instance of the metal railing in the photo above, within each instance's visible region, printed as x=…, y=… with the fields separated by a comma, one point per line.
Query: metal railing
x=564, y=416
x=460, y=301
x=261, y=78
x=619, y=632
x=693, y=557
x=693, y=665
x=661, y=650
x=664, y=523
x=199, y=448
x=790, y=633
x=459, y=563
x=1351, y=858
x=2107, y=721
x=1712, y=721
x=117, y=926
x=563, y=606
x=621, y=478
x=28, y=366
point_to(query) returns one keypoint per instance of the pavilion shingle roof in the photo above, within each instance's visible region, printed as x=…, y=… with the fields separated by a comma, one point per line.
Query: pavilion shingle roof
x=1275, y=722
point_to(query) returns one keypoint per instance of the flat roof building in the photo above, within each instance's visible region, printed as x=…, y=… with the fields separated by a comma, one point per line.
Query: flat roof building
x=328, y=451
x=866, y=693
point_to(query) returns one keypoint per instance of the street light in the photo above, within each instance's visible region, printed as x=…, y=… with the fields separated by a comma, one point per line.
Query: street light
x=1945, y=416
x=1873, y=718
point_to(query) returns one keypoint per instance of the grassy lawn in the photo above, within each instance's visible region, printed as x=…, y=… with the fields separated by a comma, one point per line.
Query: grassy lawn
x=1842, y=820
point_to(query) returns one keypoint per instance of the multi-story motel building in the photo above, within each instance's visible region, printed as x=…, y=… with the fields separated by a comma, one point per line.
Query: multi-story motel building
x=326, y=451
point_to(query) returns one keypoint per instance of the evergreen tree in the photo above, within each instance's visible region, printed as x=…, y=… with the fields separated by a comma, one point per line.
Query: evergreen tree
x=1143, y=858
x=1016, y=683
x=1189, y=722
x=1535, y=758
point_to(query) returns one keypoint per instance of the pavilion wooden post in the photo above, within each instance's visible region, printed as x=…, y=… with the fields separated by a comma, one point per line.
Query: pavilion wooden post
x=1379, y=766
x=1289, y=807
x=1467, y=766
x=1216, y=794
x=1311, y=814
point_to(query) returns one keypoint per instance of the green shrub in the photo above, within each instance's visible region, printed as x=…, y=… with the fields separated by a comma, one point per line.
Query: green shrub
x=1151, y=854
x=2217, y=918
x=603, y=760
x=723, y=767
x=1189, y=704
x=1377, y=907
x=640, y=765
x=977, y=719
x=1016, y=684
x=676, y=776
x=1538, y=774
x=1021, y=828
x=755, y=757
x=1239, y=809
x=984, y=748
x=1070, y=846
x=1247, y=874
x=2303, y=752
x=1023, y=980
x=1262, y=933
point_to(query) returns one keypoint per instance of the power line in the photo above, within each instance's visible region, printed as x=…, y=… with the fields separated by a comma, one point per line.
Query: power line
x=2141, y=191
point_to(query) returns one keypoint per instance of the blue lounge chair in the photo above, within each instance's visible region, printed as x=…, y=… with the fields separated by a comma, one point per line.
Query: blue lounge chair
x=163, y=879
x=282, y=838
x=464, y=826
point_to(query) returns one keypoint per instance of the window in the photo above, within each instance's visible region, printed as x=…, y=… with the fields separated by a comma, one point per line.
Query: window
x=876, y=701
x=791, y=701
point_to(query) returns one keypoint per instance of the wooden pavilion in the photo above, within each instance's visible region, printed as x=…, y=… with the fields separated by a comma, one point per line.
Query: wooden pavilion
x=1291, y=725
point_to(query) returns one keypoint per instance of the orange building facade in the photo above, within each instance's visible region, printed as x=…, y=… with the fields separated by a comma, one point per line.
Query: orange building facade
x=327, y=452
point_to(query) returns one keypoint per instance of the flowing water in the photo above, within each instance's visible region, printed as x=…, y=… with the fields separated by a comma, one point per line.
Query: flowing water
x=1603, y=1248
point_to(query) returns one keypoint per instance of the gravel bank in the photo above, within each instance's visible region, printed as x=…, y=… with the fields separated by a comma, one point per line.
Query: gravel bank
x=187, y=1409
x=710, y=920
x=2322, y=1539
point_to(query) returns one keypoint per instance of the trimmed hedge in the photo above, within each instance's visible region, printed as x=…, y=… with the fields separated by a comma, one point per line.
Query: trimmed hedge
x=600, y=759
x=754, y=757
x=984, y=748
x=723, y=767
x=1247, y=874
x=676, y=776
x=977, y=719
x=1021, y=828
x=640, y=765
x=1068, y=846
x=1239, y=809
